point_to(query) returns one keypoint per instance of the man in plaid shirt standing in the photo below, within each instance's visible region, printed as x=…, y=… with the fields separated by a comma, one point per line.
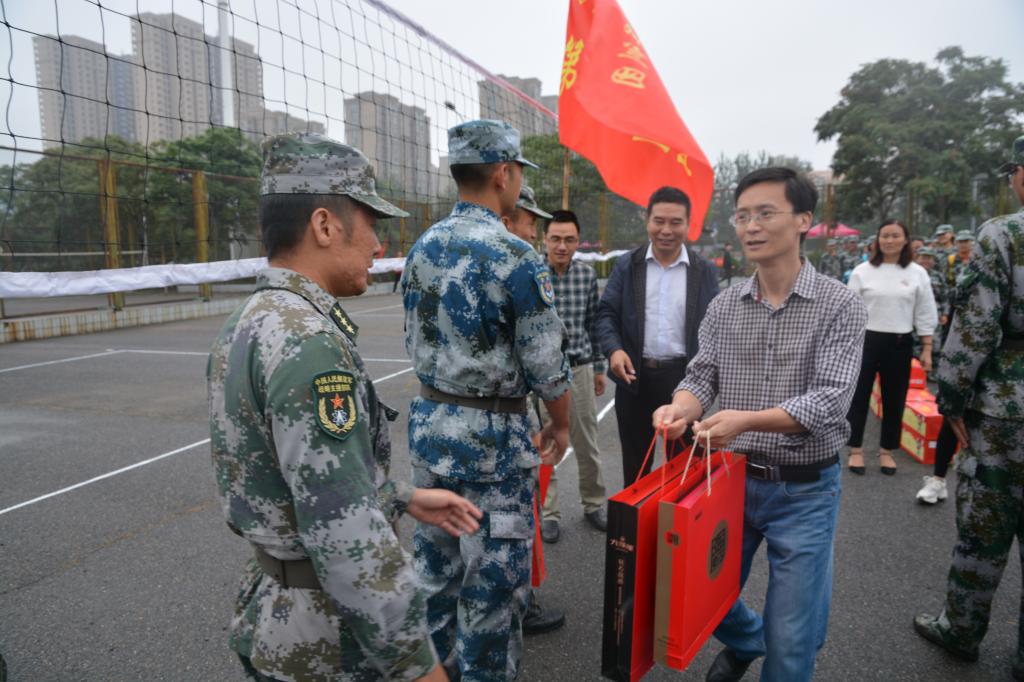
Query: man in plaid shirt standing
x=780, y=352
x=576, y=300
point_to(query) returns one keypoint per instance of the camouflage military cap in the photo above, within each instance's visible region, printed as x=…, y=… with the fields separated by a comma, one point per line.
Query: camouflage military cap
x=965, y=236
x=485, y=141
x=528, y=201
x=1016, y=157
x=310, y=163
x=943, y=229
x=831, y=242
x=850, y=239
x=926, y=251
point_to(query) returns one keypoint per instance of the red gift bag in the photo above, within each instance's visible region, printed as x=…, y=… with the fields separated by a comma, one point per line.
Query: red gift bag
x=700, y=542
x=627, y=651
x=539, y=571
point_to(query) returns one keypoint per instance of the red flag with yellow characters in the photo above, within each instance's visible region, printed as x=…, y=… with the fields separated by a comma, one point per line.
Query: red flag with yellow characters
x=614, y=110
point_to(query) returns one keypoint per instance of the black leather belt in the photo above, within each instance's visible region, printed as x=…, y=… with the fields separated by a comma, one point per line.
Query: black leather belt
x=579, y=363
x=651, y=363
x=293, y=573
x=492, y=404
x=797, y=473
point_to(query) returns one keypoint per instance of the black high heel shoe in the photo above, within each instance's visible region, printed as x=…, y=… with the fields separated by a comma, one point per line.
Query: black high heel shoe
x=888, y=471
x=859, y=470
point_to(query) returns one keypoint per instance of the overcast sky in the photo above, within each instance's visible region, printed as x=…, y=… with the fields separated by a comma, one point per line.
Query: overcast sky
x=744, y=74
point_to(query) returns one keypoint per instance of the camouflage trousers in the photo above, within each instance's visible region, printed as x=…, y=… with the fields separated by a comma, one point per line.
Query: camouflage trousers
x=478, y=585
x=989, y=514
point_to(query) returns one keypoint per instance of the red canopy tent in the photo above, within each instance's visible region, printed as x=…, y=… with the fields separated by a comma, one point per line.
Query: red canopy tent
x=839, y=230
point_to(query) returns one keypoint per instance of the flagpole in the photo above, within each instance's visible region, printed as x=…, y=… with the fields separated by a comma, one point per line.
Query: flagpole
x=565, y=180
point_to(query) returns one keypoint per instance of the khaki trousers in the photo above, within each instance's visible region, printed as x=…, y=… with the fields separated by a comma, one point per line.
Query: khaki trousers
x=583, y=438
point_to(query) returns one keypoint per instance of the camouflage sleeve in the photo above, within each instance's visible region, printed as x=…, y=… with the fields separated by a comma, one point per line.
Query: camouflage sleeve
x=600, y=364
x=981, y=294
x=541, y=338
x=326, y=460
x=702, y=373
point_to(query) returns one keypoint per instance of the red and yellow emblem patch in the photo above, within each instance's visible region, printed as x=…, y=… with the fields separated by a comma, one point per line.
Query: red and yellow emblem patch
x=335, y=403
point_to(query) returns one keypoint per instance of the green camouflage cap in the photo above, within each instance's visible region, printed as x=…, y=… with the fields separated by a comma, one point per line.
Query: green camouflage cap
x=850, y=239
x=1016, y=157
x=311, y=163
x=943, y=229
x=926, y=251
x=965, y=236
x=528, y=202
x=831, y=242
x=485, y=141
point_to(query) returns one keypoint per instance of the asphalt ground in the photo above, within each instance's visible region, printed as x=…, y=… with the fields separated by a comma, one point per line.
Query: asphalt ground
x=115, y=562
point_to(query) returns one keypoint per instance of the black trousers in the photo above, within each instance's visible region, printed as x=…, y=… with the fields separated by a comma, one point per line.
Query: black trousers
x=889, y=356
x=634, y=412
x=944, y=449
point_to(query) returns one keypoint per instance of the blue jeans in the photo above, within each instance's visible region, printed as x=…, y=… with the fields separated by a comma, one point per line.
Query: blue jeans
x=798, y=523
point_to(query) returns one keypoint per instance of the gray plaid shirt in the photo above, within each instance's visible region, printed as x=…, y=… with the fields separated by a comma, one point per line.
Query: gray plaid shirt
x=576, y=301
x=803, y=357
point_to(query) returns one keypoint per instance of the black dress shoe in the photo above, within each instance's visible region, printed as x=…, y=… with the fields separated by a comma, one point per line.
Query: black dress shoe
x=929, y=628
x=859, y=470
x=726, y=667
x=549, y=531
x=888, y=471
x=539, y=620
x=598, y=519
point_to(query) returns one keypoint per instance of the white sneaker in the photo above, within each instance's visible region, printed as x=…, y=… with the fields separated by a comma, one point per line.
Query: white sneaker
x=934, y=489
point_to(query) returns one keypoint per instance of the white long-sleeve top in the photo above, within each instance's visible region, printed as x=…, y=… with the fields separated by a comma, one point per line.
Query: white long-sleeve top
x=899, y=300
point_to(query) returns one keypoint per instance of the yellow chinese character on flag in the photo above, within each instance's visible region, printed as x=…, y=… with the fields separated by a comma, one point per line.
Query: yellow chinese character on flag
x=627, y=75
x=573, y=50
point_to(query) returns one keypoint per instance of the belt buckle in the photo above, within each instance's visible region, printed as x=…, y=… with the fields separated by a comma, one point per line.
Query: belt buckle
x=767, y=471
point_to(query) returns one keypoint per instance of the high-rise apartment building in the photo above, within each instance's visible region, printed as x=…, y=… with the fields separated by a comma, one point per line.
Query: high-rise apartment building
x=498, y=103
x=396, y=139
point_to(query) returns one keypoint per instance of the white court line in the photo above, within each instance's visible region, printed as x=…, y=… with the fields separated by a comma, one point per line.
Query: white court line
x=600, y=415
x=103, y=476
x=57, y=362
x=140, y=464
x=195, y=352
x=373, y=310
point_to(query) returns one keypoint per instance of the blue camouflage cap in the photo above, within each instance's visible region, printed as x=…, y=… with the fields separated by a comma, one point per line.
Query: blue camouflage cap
x=1016, y=157
x=485, y=141
x=311, y=163
x=528, y=202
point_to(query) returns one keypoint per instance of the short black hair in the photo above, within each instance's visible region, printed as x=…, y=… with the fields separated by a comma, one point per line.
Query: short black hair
x=906, y=254
x=563, y=216
x=669, y=195
x=284, y=217
x=472, y=176
x=800, y=192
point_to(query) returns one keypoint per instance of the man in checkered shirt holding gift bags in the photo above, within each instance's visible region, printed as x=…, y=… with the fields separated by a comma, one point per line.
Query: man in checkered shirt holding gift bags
x=780, y=352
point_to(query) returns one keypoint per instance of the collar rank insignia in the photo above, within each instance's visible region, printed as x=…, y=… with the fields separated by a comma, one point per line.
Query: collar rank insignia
x=335, y=403
x=547, y=290
x=343, y=321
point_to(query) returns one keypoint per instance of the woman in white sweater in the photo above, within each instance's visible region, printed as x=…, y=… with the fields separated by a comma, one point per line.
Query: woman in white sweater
x=898, y=295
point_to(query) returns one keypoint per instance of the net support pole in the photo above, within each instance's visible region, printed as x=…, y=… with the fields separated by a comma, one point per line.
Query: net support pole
x=201, y=212
x=111, y=229
x=565, y=180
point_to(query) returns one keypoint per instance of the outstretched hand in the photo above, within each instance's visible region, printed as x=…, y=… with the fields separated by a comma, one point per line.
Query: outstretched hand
x=451, y=513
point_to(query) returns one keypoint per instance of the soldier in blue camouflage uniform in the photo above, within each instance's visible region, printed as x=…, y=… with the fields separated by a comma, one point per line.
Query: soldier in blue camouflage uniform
x=300, y=442
x=831, y=263
x=981, y=393
x=482, y=331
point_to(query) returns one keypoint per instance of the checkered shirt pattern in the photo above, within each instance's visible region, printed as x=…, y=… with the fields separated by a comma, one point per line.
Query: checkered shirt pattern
x=576, y=301
x=803, y=357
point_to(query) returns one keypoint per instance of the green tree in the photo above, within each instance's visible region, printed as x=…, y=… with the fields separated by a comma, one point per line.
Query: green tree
x=912, y=137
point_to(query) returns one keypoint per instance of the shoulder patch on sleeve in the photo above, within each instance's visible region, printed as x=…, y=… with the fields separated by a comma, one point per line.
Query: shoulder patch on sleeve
x=547, y=290
x=334, y=403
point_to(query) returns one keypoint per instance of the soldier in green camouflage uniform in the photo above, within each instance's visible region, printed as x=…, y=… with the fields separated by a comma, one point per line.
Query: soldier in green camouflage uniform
x=964, y=243
x=851, y=256
x=926, y=259
x=300, y=442
x=831, y=263
x=981, y=393
x=943, y=247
